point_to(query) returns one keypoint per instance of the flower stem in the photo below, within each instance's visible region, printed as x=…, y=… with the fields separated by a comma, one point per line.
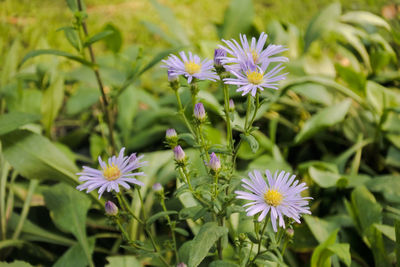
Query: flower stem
x=171, y=225
x=228, y=119
x=105, y=103
x=182, y=112
x=124, y=204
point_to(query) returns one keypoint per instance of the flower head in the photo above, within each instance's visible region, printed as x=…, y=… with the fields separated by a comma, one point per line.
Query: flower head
x=255, y=50
x=118, y=171
x=252, y=77
x=191, y=67
x=214, y=163
x=199, y=112
x=280, y=196
x=179, y=154
x=111, y=209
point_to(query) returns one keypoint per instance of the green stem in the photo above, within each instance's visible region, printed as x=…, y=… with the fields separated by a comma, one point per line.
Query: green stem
x=248, y=110
x=257, y=106
x=182, y=112
x=125, y=205
x=206, y=156
x=25, y=209
x=172, y=226
x=228, y=119
x=3, y=181
x=141, y=202
x=105, y=104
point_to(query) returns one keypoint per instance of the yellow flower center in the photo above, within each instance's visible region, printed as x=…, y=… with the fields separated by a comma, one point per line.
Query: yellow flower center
x=111, y=173
x=254, y=54
x=254, y=77
x=273, y=197
x=192, y=67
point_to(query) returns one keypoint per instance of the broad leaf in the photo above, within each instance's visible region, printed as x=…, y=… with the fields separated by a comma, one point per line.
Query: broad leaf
x=123, y=261
x=75, y=256
x=12, y=121
x=238, y=18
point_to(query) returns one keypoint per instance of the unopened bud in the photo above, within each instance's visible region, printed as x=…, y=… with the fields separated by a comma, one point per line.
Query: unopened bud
x=181, y=264
x=199, y=112
x=231, y=105
x=290, y=232
x=214, y=163
x=242, y=237
x=173, y=80
x=111, y=209
x=170, y=134
x=179, y=154
x=218, y=54
x=157, y=187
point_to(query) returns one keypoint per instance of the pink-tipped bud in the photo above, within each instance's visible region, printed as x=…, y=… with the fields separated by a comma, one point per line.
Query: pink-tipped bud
x=170, y=134
x=179, y=154
x=214, y=163
x=181, y=264
x=231, y=105
x=199, y=112
x=111, y=209
x=157, y=187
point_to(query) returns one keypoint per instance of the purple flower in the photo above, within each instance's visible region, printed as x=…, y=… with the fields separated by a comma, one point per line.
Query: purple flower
x=251, y=77
x=171, y=76
x=214, y=163
x=199, y=112
x=191, y=67
x=219, y=53
x=118, y=171
x=111, y=209
x=179, y=154
x=280, y=196
x=255, y=50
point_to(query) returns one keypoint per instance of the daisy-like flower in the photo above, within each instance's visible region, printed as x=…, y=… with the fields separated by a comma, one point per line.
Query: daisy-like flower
x=252, y=77
x=118, y=171
x=239, y=53
x=280, y=196
x=191, y=67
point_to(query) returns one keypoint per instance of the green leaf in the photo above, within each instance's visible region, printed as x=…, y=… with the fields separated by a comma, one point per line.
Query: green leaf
x=324, y=179
x=323, y=119
x=72, y=37
x=40, y=52
x=252, y=141
x=397, y=230
x=12, y=121
x=72, y=5
x=363, y=17
x=387, y=230
x=209, y=234
x=320, y=228
x=220, y=263
x=15, y=264
x=51, y=102
x=321, y=256
x=233, y=26
x=32, y=232
x=388, y=186
x=82, y=100
x=69, y=209
x=158, y=215
x=123, y=261
x=181, y=231
x=97, y=37
x=157, y=58
x=322, y=24
x=35, y=157
x=75, y=255
x=115, y=40
x=342, y=251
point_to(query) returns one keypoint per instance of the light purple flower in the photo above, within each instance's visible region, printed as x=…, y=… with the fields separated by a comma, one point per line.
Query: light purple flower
x=199, y=111
x=251, y=77
x=171, y=134
x=171, y=76
x=214, y=163
x=179, y=154
x=280, y=196
x=118, y=171
x=255, y=50
x=191, y=67
x=111, y=209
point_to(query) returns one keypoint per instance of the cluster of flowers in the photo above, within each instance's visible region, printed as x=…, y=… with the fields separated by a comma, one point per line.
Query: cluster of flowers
x=250, y=66
x=249, y=63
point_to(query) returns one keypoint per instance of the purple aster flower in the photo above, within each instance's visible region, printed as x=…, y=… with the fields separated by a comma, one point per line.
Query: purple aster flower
x=280, y=196
x=239, y=53
x=118, y=171
x=191, y=67
x=219, y=54
x=214, y=163
x=251, y=77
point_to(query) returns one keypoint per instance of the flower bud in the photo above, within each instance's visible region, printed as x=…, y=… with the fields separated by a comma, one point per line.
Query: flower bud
x=214, y=163
x=157, y=187
x=242, y=237
x=218, y=53
x=181, y=264
x=290, y=232
x=179, y=154
x=199, y=112
x=173, y=80
x=231, y=105
x=111, y=209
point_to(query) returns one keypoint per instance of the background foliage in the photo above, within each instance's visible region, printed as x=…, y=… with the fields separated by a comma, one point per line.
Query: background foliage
x=334, y=122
